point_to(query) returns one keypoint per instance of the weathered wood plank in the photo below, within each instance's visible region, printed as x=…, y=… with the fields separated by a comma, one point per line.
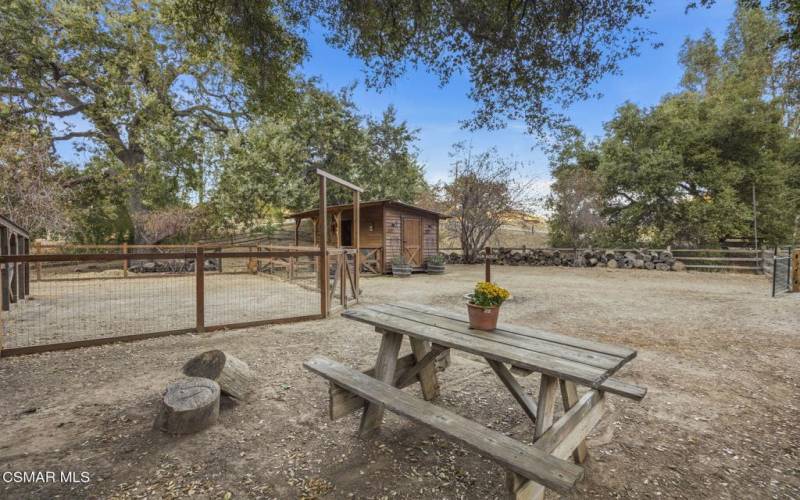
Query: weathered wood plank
x=612, y=385
x=516, y=390
x=385, y=367
x=546, y=406
x=424, y=369
x=565, y=435
x=614, y=350
x=625, y=389
x=484, y=347
x=344, y=402
x=527, y=461
x=579, y=355
x=569, y=398
x=563, y=438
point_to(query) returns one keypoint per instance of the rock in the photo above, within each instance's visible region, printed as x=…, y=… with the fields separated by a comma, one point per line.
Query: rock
x=678, y=266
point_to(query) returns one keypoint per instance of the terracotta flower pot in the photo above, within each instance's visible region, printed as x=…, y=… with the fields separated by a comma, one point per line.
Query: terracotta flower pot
x=482, y=318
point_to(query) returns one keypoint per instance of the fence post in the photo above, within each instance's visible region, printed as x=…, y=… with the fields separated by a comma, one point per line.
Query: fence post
x=796, y=270
x=38, y=247
x=774, y=271
x=343, y=279
x=200, y=297
x=488, y=264
x=126, y=262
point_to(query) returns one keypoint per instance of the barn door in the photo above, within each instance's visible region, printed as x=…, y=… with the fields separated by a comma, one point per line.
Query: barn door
x=412, y=241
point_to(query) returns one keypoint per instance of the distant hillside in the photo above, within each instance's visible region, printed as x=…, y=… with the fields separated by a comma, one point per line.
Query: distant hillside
x=514, y=233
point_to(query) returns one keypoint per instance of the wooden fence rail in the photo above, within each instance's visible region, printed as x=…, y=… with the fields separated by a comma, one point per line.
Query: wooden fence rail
x=342, y=259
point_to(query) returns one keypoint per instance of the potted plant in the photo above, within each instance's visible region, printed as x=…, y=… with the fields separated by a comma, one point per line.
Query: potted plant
x=484, y=305
x=400, y=268
x=435, y=264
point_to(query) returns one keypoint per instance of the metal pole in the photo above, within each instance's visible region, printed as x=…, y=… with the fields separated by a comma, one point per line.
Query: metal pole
x=488, y=264
x=755, y=216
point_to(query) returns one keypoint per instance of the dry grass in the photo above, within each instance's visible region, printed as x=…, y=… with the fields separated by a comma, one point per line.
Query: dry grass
x=720, y=420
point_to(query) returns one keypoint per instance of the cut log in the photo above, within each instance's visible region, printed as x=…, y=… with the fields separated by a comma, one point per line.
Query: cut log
x=189, y=405
x=232, y=374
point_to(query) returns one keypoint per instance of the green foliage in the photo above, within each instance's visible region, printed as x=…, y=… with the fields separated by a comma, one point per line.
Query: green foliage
x=436, y=260
x=399, y=261
x=575, y=203
x=98, y=207
x=524, y=59
x=266, y=166
x=143, y=83
x=684, y=171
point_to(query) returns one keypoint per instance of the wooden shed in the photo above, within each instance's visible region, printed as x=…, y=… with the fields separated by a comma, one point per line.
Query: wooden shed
x=15, y=278
x=388, y=229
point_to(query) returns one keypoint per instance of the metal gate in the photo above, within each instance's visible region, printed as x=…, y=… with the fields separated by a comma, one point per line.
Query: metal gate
x=781, y=275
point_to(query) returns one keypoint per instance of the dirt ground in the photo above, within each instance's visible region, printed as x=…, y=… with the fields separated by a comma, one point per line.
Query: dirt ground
x=718, y=355
x=100, y=305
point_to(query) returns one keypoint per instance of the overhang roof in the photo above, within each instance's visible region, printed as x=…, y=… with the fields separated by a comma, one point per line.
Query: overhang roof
x=335, y=208
x=5, y=221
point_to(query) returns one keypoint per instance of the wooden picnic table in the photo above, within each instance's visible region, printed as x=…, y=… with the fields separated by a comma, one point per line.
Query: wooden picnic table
x=564, y=363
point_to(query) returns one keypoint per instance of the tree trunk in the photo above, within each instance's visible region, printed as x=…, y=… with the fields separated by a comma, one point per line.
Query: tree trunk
x=232, y=374
x=189, y=405
x=133, y=158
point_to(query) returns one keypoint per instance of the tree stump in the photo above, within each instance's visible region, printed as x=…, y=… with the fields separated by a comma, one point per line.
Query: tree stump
x=189, y=405
x=232, y=374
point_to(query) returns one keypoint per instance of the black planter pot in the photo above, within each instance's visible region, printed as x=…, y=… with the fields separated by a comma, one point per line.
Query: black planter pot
x=401, y=271
x=435, y=269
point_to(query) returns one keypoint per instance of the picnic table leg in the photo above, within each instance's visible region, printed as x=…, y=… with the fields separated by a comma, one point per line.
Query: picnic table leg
x=427, y=375
x=384, y=371
x=519, y=487
x=569, y=396
x=505, y=376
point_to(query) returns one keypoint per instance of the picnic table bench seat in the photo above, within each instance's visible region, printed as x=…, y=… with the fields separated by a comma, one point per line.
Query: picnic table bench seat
x=528, y=461
x=564, y=363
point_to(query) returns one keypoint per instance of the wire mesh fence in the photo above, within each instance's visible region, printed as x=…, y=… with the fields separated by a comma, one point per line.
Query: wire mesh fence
x=80, y=299
x=781, y=275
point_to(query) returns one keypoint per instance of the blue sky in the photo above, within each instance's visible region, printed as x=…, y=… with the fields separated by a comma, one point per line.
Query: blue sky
x=436, y=111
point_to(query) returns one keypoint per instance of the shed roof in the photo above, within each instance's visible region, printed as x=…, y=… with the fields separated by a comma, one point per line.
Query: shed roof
x=366, y=204
x=5, y=221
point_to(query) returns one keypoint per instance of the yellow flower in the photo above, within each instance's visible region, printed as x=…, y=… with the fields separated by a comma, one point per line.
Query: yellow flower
x=489, y=295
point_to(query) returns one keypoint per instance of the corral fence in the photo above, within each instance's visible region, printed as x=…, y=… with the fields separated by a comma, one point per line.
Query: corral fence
x=783, y=265
x=737, y=260
x=94, y=294
x=734, y=260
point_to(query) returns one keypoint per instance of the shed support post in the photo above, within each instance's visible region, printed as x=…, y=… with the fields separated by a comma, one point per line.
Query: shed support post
x=323, y=245
x=357, y=241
